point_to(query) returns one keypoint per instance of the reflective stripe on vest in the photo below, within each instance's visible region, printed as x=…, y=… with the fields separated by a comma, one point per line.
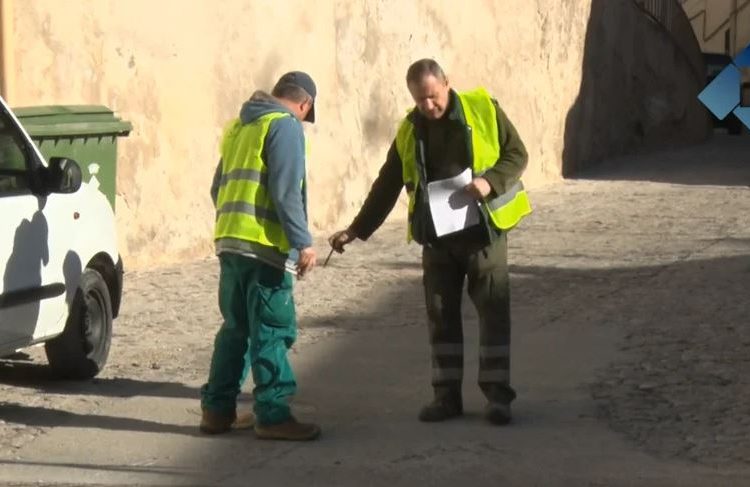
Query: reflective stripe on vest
x=244, y=209
x=506, y=210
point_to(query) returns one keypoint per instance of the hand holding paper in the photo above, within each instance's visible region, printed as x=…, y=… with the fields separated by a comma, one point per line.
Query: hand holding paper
x=453, y=207
x=479, y=188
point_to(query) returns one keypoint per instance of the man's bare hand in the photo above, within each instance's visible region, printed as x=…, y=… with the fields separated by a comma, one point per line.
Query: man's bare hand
x=479, y=188
x=341, y=238
x=306, y=262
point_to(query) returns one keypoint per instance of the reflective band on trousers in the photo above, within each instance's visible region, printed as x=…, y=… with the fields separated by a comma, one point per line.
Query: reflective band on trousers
x=447, y=374
x=494, y=351
x=439, y=349
x=494, y=375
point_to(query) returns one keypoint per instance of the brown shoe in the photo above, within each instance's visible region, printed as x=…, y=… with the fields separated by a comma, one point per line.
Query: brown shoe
x=289, y=430
x=213, y=423
x=244, y=421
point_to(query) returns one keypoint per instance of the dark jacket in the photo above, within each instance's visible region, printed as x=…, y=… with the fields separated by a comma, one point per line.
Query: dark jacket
x=446, y=148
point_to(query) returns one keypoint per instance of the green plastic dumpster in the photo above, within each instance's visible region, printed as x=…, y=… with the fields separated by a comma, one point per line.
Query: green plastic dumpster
x=85, y=133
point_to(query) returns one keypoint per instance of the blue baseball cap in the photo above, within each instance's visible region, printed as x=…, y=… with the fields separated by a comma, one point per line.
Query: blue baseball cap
x=304, y=81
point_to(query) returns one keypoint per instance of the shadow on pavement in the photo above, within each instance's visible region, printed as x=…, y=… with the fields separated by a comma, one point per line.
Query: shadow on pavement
x=366, y=384
x=367, y=387
x=109, y=468
x=47, y=417
x=40, y=377
x=722, y=161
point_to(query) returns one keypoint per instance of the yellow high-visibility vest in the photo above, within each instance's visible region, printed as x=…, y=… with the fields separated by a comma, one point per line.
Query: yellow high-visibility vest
x=507, y=209
x=244, y=209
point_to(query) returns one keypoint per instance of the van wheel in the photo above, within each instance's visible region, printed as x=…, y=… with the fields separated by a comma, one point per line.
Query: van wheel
x=81, y=351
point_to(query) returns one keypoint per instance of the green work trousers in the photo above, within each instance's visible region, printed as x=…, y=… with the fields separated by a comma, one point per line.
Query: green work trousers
x=445, y=270
x=259, y=327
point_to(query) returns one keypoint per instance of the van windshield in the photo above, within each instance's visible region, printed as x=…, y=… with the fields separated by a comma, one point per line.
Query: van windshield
x=12, y=154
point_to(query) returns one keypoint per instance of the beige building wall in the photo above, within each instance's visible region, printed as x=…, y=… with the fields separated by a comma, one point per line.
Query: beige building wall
x=717, y=23
x=179, y=69
x=743, y=27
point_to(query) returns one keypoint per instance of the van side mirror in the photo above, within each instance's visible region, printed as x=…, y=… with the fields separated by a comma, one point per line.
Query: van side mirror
x=63, y=175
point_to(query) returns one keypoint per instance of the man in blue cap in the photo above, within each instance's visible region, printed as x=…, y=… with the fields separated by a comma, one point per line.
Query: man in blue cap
x=262, y=240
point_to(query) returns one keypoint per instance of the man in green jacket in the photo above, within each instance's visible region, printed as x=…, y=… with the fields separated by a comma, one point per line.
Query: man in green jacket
x=262, y=240
x=446, y=134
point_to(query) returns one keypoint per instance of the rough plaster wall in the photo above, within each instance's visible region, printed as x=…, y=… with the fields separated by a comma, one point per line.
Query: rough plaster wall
x=711, y=18
x=179, y=69
x=637, y=90
x=743, y=28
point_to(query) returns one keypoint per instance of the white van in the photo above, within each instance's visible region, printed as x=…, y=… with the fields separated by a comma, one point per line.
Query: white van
x=60, y=267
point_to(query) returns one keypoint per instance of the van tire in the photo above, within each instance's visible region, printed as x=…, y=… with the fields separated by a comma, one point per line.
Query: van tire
x=81, y=350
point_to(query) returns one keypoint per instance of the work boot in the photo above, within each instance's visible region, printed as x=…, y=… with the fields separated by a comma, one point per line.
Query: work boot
x=244, y=421
x=289, y=430
x=213, y=423
x=497, y=413
x=441, y=408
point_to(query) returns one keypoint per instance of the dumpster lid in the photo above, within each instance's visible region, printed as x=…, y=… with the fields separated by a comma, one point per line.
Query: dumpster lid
x=67, y=120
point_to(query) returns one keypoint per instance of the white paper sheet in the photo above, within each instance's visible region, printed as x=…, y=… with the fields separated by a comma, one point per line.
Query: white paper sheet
x=452, y=207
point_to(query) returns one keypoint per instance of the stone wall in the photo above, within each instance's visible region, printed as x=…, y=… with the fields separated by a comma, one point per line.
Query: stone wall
x=638, y=89
x=179, y=69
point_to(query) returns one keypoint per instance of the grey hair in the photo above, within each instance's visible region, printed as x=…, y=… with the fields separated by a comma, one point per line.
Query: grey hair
x=423, y=68
x=291, y=92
